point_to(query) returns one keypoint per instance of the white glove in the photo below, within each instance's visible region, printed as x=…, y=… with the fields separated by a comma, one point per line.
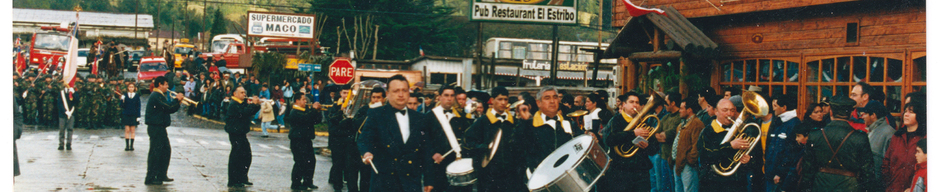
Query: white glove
x=122, y=97
x=138, y=119
x=68, y=113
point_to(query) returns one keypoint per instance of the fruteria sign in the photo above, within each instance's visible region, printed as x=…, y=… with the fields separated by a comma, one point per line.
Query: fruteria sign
x=267, y=24
x=526, y=11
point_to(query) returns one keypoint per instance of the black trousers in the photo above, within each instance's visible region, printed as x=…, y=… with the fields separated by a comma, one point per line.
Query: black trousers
x=239, y=160
x=305, y=162
x=357, y=174
x=339, y=156
x=501, y=179
x=158, y=159
x=620, y=179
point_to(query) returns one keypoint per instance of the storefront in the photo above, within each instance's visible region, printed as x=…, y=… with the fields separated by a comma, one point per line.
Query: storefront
x=810, y=50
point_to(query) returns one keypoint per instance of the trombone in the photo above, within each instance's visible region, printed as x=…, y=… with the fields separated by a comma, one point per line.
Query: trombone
x=185, y=100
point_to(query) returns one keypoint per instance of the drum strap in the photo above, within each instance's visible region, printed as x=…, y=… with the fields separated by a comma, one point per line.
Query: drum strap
x=448, y=131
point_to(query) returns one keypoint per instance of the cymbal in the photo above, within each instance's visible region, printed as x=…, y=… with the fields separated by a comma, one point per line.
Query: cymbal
x=577, y=113
x=516, y=104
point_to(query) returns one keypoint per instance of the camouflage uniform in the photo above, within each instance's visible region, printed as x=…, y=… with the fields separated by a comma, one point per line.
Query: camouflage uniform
x=49, y=115
x=31, y=107
x=79, y=111
x=100, y=104
x=115, y=105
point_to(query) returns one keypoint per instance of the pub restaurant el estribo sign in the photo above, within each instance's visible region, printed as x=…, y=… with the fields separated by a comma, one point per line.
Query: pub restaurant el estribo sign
x=564, y=12
x=266, y=24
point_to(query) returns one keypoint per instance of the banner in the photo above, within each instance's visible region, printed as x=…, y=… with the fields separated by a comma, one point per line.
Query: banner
x=265, y=24
x=527, y=11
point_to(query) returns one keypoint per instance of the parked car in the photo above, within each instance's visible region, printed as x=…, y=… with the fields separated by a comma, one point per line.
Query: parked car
x=148, y=69
x=83, y=59
x=133, y=59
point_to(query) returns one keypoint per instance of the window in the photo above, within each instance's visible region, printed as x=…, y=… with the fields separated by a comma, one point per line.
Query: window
x=443, y=78
x=851, y=33
x=518, y=52
x=773, y=76
x=833, y=76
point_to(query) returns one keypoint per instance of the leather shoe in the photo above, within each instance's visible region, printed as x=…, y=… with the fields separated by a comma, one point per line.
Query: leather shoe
x=153, y=183
x=248, y=183
x=236, y=185
x=298, y=187
x=167, y=179
x=311, y=186
x=60, y=147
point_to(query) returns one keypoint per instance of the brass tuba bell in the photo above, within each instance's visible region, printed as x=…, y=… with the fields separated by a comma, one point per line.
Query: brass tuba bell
x=640, y=123
x=754, y=105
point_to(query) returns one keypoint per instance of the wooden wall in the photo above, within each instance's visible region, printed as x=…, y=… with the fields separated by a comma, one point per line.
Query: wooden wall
x=708, y=8
x=802, y=33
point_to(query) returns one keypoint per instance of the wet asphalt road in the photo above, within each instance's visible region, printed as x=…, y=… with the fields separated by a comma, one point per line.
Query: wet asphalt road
x=200, y=151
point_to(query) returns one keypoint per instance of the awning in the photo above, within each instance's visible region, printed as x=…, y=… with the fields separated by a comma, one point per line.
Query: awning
x=635, y=36
x=563, y=75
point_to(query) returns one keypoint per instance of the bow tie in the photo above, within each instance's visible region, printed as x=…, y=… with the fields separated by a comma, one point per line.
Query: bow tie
x=403, y=111
x=551, y=118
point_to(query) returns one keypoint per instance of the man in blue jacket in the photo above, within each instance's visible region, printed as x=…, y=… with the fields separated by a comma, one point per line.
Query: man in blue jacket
x=779, y=141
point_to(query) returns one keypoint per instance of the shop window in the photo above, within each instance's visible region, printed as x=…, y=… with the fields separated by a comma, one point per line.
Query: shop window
x=828, y=74
x=518, y=52
x=763, y=70
x=813, y=71
x=793, y=71
x=860, y=70
x=842, y=69
x=895, y=71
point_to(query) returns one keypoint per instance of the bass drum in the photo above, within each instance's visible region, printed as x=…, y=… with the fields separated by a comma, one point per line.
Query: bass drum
x=574, y=166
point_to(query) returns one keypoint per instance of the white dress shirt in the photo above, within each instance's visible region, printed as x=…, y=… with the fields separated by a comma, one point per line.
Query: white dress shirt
x=550, y=122
x=403, y=125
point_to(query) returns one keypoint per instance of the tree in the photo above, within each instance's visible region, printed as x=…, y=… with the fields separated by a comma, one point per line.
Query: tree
x=218, y=23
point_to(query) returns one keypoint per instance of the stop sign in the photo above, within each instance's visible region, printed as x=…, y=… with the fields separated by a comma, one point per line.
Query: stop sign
x=341, y=71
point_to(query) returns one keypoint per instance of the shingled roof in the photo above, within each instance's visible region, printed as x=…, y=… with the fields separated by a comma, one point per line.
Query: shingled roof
x=634, y=36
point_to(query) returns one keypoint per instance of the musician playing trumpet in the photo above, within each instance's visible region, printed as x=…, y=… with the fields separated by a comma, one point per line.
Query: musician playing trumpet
x=630, y=171
x=713, y=152
x=495, y=158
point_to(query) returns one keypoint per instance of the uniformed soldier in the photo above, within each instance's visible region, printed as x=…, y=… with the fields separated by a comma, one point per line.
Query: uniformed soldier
x=31, y=96
x=98, y=105
x=50, y=92
x=838, y=157
x=80, y=114
x=114, y=105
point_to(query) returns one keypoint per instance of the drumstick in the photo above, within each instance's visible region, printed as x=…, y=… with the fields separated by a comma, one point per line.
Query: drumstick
x=372, y=164
x=448, y=153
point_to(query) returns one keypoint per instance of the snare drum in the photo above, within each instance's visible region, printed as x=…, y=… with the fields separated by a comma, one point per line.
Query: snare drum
x=574, y=166
x=460, y=172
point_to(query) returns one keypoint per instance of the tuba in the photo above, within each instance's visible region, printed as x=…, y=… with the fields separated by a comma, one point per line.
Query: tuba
x=359, y=96
x=754, y=105
x=640, y=122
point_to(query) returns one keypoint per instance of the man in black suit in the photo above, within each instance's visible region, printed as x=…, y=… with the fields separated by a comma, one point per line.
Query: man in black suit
x=393, y=140
x=302, y=119
x=340, y=141
x=546, y=130
x=237, y=126
x=504, y=172
x=158, y=111
x=447, y=138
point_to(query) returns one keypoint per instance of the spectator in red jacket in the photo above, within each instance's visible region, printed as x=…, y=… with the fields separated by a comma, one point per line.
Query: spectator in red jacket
x=899, y=165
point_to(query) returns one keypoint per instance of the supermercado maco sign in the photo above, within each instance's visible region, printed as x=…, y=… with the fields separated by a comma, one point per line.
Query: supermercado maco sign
x=265, y=24
x=528, y=11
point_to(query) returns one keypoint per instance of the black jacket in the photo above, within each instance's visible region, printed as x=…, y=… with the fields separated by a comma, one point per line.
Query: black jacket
x=854, y=156
x=614, y=136
x=541, y=139
x=159, y=109
x=302, y=122
x=482, y=133
x=396, y=160
x=238, y=116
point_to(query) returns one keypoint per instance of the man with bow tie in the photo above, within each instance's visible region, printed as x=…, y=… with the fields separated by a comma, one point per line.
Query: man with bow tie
x=502, y=171
x=447, y=124
x=392, y=140
x=545, y=130
x=712, y=152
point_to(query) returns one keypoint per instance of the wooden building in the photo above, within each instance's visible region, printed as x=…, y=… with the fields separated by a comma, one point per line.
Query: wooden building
x=810, y=49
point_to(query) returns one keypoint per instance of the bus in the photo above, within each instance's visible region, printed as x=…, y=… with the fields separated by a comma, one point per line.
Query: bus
x=535, y=50
x=50, y=45
x=220, y=42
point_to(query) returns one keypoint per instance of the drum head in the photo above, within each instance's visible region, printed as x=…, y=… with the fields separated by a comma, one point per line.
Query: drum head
x=461, y=166
x=560, y=161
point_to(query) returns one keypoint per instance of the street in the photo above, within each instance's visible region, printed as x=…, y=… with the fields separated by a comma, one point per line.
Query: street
x=200, y=151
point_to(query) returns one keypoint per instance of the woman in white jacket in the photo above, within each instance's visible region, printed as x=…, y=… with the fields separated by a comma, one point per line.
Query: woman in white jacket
x=267, y=115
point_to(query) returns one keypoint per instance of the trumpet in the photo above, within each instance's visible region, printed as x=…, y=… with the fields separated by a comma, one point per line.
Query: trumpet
x=322, y=107
x=185, y=100
x=640, y=123
x=754, y=105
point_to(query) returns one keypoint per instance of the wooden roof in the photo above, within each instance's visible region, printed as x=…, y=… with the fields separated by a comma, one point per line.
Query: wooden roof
x=636, y=35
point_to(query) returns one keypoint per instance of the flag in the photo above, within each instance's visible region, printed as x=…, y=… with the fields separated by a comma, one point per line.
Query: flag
x=636, y=11
x=420, y=50
x=70, y=69
x=20, y=63
x=94, y=64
